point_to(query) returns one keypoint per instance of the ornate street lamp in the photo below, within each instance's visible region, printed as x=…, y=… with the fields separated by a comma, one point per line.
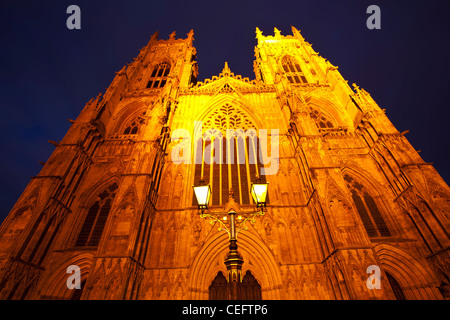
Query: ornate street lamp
x=228, y=221
x=259, y=193
x=203, y=194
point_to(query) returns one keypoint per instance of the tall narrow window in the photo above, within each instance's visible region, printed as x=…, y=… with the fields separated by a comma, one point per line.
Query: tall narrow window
x=367, y=208
x=95, y=221
x=293, y=71
x=159, y=75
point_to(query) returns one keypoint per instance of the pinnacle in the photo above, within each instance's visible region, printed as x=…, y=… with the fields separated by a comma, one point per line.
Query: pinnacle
x=277, y=32
x=155, y=36
x=226, y=69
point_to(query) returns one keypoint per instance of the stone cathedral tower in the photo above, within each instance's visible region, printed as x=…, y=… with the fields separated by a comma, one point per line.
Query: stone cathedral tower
x=347, y=191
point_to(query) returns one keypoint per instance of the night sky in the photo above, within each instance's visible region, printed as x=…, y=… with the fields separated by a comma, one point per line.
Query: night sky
x=49, y=72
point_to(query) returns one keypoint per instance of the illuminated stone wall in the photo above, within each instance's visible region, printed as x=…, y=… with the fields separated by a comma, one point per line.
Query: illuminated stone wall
x=346, y=190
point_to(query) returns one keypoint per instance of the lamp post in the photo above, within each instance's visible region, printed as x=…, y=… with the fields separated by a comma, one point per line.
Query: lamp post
x=227, y=221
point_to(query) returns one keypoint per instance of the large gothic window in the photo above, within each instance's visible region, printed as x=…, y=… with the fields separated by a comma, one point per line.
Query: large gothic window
x=159, y=75
x=321, y=121
x=232, y=163
x=367, y=208
x=293, y=71
x=134, y=125
x=95, y=221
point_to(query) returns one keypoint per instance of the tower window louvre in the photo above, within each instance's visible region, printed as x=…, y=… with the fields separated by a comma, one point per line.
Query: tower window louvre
x=292, y=70
x=158, y=78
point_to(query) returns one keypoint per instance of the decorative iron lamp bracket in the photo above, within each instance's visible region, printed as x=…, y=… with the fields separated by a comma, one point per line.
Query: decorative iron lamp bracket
x=225, y=219
x=227, y=216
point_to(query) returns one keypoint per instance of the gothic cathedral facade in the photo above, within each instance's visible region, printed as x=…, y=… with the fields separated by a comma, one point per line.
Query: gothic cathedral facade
x=348, y=194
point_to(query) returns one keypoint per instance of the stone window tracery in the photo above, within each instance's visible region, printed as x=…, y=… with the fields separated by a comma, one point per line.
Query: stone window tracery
x=368, y=210
x=227, y=164
x=134, y=125
x=228, y=117
x=159, y=75
x=95, y=220
x=321, y=121
x=293, y=71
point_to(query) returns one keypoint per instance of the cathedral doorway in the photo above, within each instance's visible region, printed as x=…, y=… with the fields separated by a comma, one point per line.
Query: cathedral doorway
x=250, y=289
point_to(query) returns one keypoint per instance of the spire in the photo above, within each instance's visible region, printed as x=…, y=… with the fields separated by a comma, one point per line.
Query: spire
x=172, y=36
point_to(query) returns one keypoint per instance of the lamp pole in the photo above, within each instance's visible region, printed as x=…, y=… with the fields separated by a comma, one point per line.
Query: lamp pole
x=234, y=260
x=234, y=263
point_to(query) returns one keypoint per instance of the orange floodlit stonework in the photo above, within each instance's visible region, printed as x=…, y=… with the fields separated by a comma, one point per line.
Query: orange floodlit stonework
x=353, y=211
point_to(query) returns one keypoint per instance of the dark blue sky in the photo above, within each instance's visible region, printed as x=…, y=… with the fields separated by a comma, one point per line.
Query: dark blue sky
x=48, y=72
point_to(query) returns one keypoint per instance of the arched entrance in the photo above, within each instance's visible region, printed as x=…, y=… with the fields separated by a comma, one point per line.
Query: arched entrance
x=258, y=259
x=250, y=288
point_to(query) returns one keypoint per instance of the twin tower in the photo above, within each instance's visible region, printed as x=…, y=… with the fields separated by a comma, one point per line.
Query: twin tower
x=353, y=210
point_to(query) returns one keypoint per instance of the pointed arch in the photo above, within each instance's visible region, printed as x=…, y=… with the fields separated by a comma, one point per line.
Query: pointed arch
x=227, y=116
x=97, y=209
x=328, y=108
x=132, y=126
x=398, y=291
x=210, y=260
x=251, y=289
x=362, y=175
x=218, y=288
x=322, y=121
x=178, y=292
x=55, y=287
x=156, y=239
x=366, y=199
x=227, y=162
x=111, y=288
x=415, y=278
x=96, y=288
x=238, y=102
x=127, y=113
